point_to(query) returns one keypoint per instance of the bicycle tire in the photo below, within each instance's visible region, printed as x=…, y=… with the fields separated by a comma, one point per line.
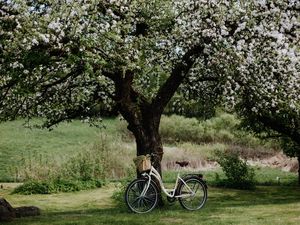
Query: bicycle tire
x=196, y=201
x=137, y=203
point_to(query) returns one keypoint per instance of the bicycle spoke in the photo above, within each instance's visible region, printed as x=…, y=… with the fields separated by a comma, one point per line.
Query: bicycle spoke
x=149, y=200
x=144, y=205
x=197, y=187
x=133, y=195
x=140, y=202
x=135, y=202
x=136, y=192
x=193, y=186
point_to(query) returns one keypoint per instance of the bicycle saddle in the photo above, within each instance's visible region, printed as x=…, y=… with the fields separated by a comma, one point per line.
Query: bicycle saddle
x=182, y=163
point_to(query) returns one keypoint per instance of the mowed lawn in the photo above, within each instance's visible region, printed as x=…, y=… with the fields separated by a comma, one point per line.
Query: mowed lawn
x=265, y=205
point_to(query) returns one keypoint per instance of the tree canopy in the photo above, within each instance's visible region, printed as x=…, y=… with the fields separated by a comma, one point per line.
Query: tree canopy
x=62, y=59
x=265, y=90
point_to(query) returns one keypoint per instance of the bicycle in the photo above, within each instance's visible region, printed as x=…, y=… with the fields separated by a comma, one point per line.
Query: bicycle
x=141, y=195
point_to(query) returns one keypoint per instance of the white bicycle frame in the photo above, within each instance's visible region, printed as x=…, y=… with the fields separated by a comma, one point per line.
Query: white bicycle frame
x=169, y=192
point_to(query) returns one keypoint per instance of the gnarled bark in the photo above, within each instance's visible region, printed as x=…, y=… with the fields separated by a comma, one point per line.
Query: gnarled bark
x=143, y=116
x=298, y=158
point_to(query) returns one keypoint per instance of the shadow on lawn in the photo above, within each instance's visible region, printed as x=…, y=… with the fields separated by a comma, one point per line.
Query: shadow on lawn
x=109, y=216
x=262, y=195
x=218, y=200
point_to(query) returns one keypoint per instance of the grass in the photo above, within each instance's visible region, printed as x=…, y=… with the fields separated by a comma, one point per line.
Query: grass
x=265, y=205
x=276, y=204
x=18, y=142
x=39, y=147
x=263, y=176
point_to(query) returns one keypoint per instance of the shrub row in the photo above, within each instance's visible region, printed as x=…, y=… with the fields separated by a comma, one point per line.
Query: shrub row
x=85, y=170
x=223, y=128
x=55, y=186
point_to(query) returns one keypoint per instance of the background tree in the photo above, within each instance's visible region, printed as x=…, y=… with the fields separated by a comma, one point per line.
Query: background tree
x=62, y=59
x=292, y=149
x=265, y=89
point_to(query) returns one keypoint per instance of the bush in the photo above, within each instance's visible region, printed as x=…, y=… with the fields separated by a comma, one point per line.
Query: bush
x=223, y=129
x=55, y=186
x=106, y=159
x=34, y=187
x=119, y=193
x=238, y=173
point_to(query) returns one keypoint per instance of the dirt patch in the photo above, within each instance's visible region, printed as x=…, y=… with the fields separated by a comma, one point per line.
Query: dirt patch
x=259, y=153
x=279, y=161
x=260, y=157
x=200, y=164
x=197, y=161
x=9, y=186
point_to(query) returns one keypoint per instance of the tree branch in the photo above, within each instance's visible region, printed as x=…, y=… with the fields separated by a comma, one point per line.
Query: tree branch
x=281, y=128
x=178, y=74
x=74, y=73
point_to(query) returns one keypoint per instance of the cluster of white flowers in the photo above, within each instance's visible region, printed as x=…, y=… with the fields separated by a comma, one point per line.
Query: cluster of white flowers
x=254, y=43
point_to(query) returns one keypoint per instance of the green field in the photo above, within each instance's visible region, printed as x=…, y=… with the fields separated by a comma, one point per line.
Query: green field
x=18, y=143
x=272, y=202
x=39, y=147
x=266, y=205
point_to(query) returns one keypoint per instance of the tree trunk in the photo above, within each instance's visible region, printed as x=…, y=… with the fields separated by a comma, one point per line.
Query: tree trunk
x=145, y=128
x=148, y=140
x=298, y=157
x=143, y=116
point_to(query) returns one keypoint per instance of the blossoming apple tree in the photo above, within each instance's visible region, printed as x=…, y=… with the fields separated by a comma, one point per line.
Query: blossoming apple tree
x=61, y=59
x=265, y=88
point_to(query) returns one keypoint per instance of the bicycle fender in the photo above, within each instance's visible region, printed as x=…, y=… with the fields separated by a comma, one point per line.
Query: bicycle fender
x=196, y=176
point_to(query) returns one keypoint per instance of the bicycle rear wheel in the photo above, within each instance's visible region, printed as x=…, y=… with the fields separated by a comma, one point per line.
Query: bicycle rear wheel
x=196, y=194
x=137, y=202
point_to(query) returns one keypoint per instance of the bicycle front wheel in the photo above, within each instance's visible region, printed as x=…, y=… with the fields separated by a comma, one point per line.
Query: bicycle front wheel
x=141, y=196
x=194, y=194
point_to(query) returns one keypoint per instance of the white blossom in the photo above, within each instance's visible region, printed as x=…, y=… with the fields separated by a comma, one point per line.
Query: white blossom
x=34, y=41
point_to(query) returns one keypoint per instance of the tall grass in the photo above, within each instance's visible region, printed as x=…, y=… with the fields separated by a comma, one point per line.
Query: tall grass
x=106, y=158
x=196, y=140
x=199, y=156
x=221, y=129
x=19, y=144
x=78, y=152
